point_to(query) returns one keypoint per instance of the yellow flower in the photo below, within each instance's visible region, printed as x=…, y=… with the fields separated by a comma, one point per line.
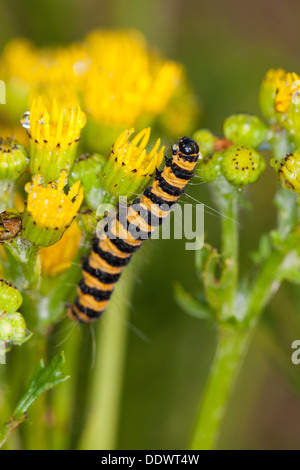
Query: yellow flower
x=53, y=124
x=267, y=94
x=54, y=131
x=58, y=257
x=50, y=210
x=288, y=86
x=129, y=168
x=288, y=170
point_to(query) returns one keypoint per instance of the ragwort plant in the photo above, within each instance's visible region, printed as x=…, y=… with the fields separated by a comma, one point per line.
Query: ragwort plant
x=75, y=150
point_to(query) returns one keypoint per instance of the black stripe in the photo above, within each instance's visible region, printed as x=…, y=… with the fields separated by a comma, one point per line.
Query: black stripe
x=120, y=243
x=168, y=188
x=111, y=259
x=134, y=230
x=158, y=200
x=188, y=158
x=181, y=173
x=98, y=295
x=102, y=276
x=88, y=311
x=149, y=217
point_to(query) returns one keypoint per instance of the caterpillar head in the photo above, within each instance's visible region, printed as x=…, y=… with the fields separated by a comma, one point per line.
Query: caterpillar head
x=188, y=146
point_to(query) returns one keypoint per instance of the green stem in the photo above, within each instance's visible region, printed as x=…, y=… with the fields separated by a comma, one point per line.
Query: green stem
x=102, y=425
x=230, y=248
x=231, y=349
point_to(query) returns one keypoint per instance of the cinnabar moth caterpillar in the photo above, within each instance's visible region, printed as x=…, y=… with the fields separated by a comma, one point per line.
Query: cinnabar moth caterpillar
x=121, y=238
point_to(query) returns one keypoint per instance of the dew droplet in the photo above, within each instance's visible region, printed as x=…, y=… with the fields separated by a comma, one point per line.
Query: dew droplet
x=25, y=120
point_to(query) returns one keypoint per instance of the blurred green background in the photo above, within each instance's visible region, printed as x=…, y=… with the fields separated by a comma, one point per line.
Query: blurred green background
x=227, y=47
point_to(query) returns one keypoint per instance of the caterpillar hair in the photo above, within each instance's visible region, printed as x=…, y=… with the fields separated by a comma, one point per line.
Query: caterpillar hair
x=124, y=233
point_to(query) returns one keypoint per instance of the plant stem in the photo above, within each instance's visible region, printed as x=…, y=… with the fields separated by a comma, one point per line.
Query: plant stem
x=230, y=248
x=231, y=349
x=102, y=425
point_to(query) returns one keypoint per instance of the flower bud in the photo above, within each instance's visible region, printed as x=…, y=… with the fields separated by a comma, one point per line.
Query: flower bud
x=10, y=297
x=87, y=169
x=242, y=165
x=267, y=93
x=210, y=167
x=50, y=210
x=245, y=129
x=129, y=168
x=205, y=139
x=288, y=171
x=13, y=159
x=13, y=328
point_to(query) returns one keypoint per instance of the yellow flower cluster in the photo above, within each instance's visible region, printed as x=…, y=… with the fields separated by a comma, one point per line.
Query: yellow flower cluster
x=116, y=77
x=288, y=87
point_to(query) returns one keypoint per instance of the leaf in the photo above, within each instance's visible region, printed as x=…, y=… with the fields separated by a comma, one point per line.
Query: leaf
x=44, y=378
x=190, y=305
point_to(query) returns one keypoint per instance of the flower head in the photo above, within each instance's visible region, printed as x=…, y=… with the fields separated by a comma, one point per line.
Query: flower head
x=288, y=171
x=287, y=87
x=54, y=130
x=50, y=210
x=270, y=84
x=242, y=165
x=130, y=167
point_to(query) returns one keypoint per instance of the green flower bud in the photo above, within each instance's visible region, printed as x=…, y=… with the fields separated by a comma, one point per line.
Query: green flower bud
x=210, y=167
x=19, y=327
x=13, y=328
x=10, y=297
x=13, y=159
x=242, y=165
x=245, y=129
x=87, y=169
x=205, y=139
x=288, y=171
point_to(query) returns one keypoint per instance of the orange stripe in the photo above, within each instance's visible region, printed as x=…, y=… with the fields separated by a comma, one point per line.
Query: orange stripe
x=147, y=204
x=97, y=262
x=107, y=245
x=92, y=281
x=121, y=232
x=88, y=301
x=172, y=179
x=83, y=316
x=134, y=217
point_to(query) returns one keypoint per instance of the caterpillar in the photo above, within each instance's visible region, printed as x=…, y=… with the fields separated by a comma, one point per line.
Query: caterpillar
x=122, y=236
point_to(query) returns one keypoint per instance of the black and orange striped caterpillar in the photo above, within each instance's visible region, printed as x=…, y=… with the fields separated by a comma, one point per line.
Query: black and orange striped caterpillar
x=121, y=237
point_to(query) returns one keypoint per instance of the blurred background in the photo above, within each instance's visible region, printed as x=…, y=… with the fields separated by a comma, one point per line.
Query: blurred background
x=226, y=47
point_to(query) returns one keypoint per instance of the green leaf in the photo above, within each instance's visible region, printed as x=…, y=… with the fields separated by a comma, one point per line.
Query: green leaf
x=44, y=378
x=264, y=250
x=190, y=305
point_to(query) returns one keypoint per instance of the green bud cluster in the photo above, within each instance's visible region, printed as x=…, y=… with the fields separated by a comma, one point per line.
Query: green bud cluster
x=13, y=329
